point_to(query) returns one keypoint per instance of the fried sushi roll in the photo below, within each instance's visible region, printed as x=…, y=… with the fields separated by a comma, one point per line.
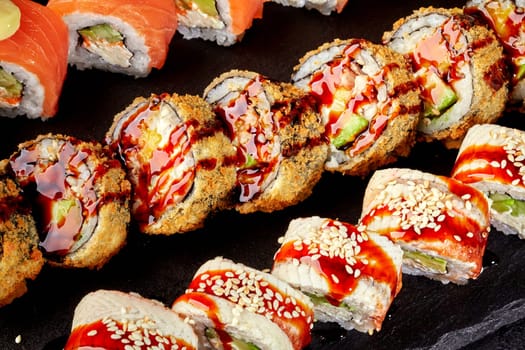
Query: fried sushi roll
x=33, y=59
x=507, y=19
x=177, y=157
x=278, y=135
x=491, y=158
x=109, y=319
x=222, y=21
x=460, y=67
x=237, y=307
x=80, y=196
x=122, y=36
x=441, y=224
x=368, y=100
x=20, y=258
x=326, y=7
x=351, y=277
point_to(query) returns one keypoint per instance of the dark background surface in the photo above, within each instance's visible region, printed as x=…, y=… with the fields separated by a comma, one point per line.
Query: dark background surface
x=488, y=313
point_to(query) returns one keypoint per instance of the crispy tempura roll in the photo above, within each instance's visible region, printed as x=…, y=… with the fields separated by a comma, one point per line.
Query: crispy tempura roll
x=368, y=100
x=491, y=158
x=441, y=224
x=20, y=258
x=123, y=36
x=178, y=160
x=222, y=21
x=108, y=319
x=81, y=198
x=233, y=305
x=460, y=66
x=507, y=19
x=278, y=135
x=351, y=277
x=326, y=7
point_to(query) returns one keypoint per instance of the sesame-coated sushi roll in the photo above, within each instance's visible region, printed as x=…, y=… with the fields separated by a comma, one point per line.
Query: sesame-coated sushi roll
x=20, y=258
x=177, y=157
x=278, y=135
x=460, y=67
x=123, y=36
x=326, y=7
x=80, y=196
x=109, y=319
x=441, y=224
x=33, y=59
x=351, y=277
x=507, y=19
x=491, y=158
x=222, y=21
x=368, y=100
x=233, y=305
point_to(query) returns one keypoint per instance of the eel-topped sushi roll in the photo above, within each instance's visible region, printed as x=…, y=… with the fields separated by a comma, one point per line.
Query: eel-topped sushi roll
x=33, y=59
x=80, y=199
x=492, y=159
x=278, y=135
x=110, y=319
x=440, y=223
x=507, y=19
x=351, y=277
x=460, y=67
x=20, y=258
x=222, y=21
x=368, y=100
x=123, y=36
x=234, y=306
x=177, y=157
x=326, y=7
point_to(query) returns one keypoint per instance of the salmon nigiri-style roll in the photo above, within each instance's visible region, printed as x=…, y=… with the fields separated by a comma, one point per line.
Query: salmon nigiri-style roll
x=222, y=21
x=33, y=59
x=121, y=36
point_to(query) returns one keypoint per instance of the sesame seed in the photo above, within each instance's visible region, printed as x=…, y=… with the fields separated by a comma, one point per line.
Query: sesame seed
x=457, y=238
x=18, y=339
x=470, y=234
x=92, y=333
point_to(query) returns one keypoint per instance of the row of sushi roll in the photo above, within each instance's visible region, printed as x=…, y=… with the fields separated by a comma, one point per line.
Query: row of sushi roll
x=249, y=143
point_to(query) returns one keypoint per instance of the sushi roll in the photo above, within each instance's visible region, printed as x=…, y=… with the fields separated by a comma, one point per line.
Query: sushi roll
x=351, y=277
x=326, y=7
x=178, y=159
x=441, y=224
x=20, y=258
x=110, y=319
x=460, y=67
x=222, y=21
x=491, y=158
x=80, y=196
x=507, y=19
x=368, y=100
x=278, y=135
x=120, y=36
x=233, y=306
x=33, y=59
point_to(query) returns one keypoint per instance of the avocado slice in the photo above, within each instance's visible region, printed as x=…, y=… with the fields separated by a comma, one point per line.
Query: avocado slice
x=250, y=162
x=502, y=203
x=102, y=31
x=355, y=125
x=521, y=72
x=431, y=262
x=12, y=87
x=61, y=208
x=321, y=299
x=441, y=96
x=235, y=344
x=205, y=6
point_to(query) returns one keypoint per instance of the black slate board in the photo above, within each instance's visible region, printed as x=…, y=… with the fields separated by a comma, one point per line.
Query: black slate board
x=488, y=313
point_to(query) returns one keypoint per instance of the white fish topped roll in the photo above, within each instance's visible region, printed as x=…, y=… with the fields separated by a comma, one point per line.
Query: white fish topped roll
x=278, y=134
x=460, y=67
x=368, y=100
x=110, y=319
x=440, y=223
x=351, y=276
x=176, y=154
x=234, y=306
x=492, y=159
